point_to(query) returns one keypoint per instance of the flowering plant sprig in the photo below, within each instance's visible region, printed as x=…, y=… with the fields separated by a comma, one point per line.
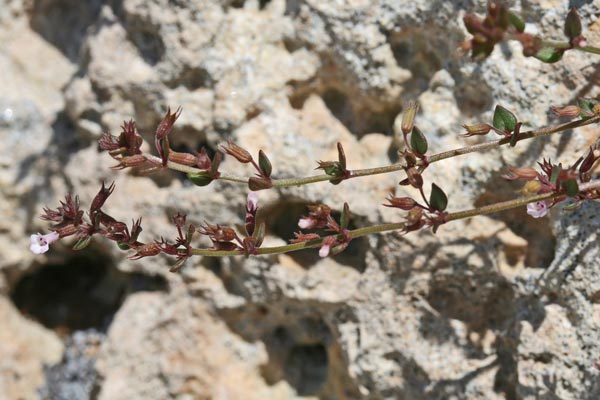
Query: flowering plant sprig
x=542, y=190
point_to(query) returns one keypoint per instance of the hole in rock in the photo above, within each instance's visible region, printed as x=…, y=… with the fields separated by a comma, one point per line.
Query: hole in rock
x=83, y=292
x=306, y=368
x=358, y=115
x=302, y=350
x=423, y=51
x=283, y=220
x=478, y=304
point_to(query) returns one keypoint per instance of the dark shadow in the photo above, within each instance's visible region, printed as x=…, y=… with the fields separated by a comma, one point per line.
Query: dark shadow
x=83, y=292
x=283, y=220
x=64, y=23
x=301, y=347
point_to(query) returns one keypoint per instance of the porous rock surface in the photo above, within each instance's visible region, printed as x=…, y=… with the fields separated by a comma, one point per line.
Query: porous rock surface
x=499, y=307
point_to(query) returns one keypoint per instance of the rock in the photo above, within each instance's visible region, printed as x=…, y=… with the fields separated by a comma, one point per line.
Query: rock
x=25, y=347
x=502, y=306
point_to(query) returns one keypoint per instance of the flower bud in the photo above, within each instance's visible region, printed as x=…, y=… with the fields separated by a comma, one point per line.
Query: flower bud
x=131, y=161
x=477, y=130
x=414, y=178
x=403, y=203
x=239, y=153
x=183, y=158
x=531, y=188
x=568, y=111
x=408, y=118
x=525, y=173
x=255, y=183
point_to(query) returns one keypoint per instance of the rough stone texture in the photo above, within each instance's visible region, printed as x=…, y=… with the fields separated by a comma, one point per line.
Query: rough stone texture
x=499, y=307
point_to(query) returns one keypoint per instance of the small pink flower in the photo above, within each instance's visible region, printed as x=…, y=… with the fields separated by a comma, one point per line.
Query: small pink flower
x=40, y=243
x=538, y=209
x=324, y=251
x=252, y=201
x=326, y=246
x=306, y=223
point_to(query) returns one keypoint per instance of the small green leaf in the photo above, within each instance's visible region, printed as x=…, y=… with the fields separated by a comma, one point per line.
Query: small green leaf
x=178, y=265
x=82, y=243
x=516, y=21
x=572, y=24
x=341, y=156
x=418, y=141
x=587, y=105
x=571, y=187
x=123, y=246
x=345, y=217
x=438, y=199
x=259, y=234
x=264, y=163
x=549, y=54
x=504, y=120
x=200, y=178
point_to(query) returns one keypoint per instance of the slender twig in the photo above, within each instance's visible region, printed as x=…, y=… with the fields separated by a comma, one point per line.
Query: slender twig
x=484, y=210
x=398, y=166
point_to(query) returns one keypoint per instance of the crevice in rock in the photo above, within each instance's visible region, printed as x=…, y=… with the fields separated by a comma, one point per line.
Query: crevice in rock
x=283, y=220
x=359, y=114
x=63, y=23
x=82, y=292
x=301, y=346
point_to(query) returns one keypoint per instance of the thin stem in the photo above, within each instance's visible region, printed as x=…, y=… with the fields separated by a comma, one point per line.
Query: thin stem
x=398, y=166
x=567, y=46
x=484, y=210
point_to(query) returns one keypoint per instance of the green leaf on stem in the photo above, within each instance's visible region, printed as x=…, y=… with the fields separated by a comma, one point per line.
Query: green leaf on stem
x=341, y=156
x=200, y=178
x=264, y=164
x=345, y=217
x=572, y=27
x=418, y=141
x=504, y=120
x=571, y=187
x=516, y=21
x=82, y=243
x=438, y=199
x=549, y=54
x=587, y=105
x=259, y=234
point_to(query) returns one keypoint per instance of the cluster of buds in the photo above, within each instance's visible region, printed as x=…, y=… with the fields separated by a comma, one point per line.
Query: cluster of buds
x=430, y=213
x=69, y=220
x=319, y=217
x=500, y=24
x=336, y=169
x=126, y=149
x=262, y=179
x=554, y=178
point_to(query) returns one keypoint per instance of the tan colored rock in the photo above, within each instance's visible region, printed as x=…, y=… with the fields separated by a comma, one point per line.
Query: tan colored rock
x=25, y=347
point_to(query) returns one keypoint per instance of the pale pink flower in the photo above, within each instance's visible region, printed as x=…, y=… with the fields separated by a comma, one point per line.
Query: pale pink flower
x=324, y=250
x=538, y=209
x=306, y=223
x=252, y=201
x=40, y=243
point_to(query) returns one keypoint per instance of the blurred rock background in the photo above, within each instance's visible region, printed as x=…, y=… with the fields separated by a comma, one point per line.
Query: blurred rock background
x=500, y=307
